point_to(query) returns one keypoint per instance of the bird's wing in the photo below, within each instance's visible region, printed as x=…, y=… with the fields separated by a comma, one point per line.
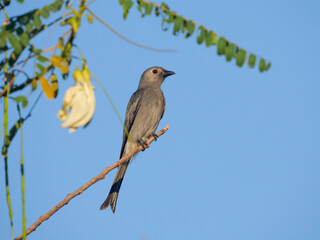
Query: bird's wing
x=131, y=113
x=163, y=106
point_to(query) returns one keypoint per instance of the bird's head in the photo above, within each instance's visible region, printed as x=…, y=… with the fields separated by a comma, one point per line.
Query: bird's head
x=153, y=77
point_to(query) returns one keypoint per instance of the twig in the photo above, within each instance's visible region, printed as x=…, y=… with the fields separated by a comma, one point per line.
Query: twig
x=5, y=13
x=31, y=56
x=54, y=27
x=33, y=106
x=88, y=184
x=21, y=86
x=24, y=219
x=11, y=81
x=126, y=39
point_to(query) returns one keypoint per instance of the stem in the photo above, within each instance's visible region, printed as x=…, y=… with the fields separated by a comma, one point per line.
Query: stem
x=24, y=219
x=113, y=106
x=5, y=154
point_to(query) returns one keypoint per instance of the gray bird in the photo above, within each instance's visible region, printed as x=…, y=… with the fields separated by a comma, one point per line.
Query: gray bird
x=144, y=112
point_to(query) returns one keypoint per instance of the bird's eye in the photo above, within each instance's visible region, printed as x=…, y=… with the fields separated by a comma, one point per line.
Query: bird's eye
x=155, y=71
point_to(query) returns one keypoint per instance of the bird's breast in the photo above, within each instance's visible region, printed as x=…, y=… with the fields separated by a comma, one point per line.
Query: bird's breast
x=152, y=105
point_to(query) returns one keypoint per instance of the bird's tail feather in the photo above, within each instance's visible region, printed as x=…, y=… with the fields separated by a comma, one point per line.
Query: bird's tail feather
x=114, y=191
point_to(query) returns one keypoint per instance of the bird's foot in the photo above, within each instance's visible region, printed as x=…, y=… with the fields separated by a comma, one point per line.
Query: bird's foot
x=155, y=136
x=143, y=144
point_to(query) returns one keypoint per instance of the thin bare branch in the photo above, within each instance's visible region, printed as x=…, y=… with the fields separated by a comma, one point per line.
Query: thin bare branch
x=54, y=27
x=34, y=55
x=88, y=184
x=33, y=106
x=126, y=39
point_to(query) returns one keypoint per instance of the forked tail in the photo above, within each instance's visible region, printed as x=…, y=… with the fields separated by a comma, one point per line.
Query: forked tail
x=114, y=191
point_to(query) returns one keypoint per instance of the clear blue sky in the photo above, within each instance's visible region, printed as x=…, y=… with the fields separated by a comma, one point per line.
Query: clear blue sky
x=241, y=159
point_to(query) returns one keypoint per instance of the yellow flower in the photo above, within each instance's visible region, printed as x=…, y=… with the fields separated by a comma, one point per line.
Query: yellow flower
x=79, y=100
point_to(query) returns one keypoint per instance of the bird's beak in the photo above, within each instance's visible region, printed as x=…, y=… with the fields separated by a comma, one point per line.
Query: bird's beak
x=167, y=73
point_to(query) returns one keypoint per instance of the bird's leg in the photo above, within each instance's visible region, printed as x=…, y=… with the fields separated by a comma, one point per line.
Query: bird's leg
x=143, y=144
x=155, y=136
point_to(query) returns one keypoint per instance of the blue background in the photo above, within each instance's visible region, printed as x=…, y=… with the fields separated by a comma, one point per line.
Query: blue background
x=240, y=159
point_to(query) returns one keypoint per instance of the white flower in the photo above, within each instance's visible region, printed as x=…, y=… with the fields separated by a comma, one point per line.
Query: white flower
x=80, y=100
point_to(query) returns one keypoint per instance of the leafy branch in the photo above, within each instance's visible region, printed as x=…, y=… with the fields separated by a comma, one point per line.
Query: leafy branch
x=187, y=27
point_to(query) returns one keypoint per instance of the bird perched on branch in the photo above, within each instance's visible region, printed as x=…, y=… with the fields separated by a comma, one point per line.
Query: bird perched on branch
x=144, y=112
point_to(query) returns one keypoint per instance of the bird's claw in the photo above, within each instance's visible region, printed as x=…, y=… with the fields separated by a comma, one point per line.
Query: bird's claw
x=143, y=144
x=155, y=136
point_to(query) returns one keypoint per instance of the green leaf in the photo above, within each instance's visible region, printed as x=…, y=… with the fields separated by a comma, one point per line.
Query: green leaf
x=3, y=42
x=141, y=5
x=41, y=68
x=149, y=8
x=222, y=44
x=167, y=19
x=184, y=26
x=52, y=8
x=211, y=39
x=252, y=60
x=55, y=6
x=44, y=12
x=15, y=43
x=177, y=25
x=34, y=84
x=230, y=51
x=268, y=66
x=29, y=27
x=262, y=65
x=36, y=21
x=190, y=28
x=170, y=17
x=42, y=59
x=4, y=34
x=24, y=19
x=24, y=39
x=164, y=5
x=59, y=3
x=127, y=5
x=23, y=100
x=202, y=35
x=37, y=51
x=241, y=57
